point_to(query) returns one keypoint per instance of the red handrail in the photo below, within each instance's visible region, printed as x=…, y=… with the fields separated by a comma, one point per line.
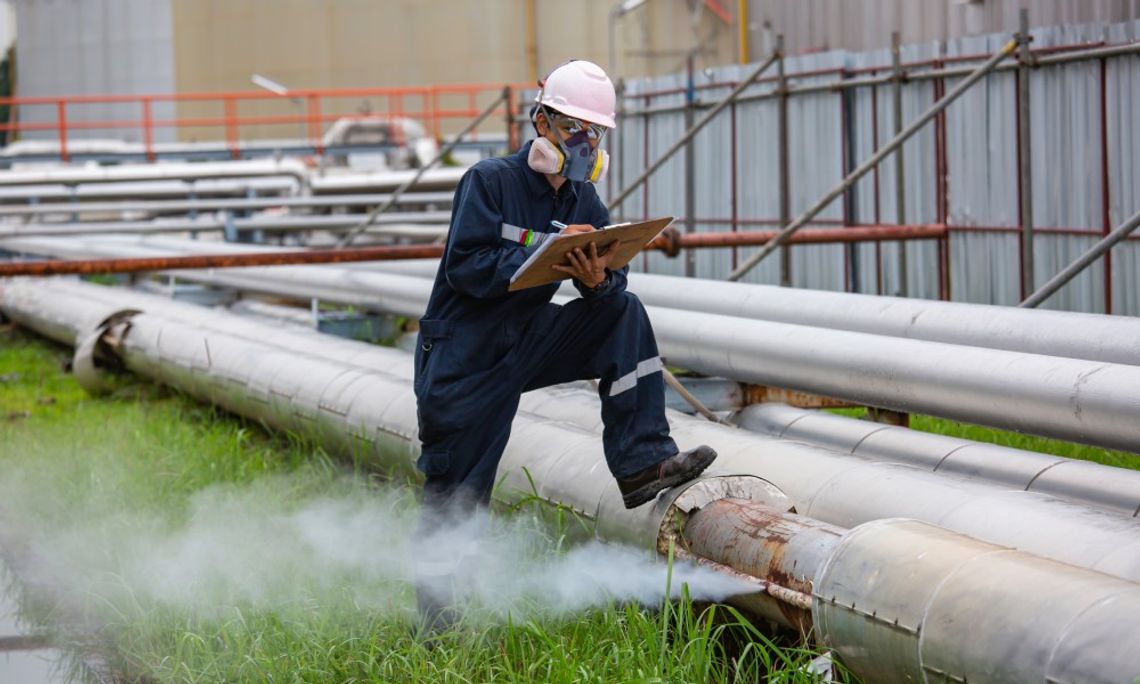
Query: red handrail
x=311, y=117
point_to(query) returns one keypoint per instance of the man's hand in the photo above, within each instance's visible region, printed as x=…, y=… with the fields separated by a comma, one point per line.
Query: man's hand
x=589, y=268
x=577, y=228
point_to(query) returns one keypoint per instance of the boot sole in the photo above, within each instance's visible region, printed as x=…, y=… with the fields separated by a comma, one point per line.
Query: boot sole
x=650, y=491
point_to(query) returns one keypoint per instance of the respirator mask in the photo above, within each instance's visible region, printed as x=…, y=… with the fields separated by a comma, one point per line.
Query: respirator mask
x=574, y=157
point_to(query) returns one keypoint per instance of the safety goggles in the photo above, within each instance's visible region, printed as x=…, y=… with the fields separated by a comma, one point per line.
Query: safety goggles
x=569, y=126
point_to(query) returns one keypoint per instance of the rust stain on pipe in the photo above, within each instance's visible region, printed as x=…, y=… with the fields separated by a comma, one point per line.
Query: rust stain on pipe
x=672, y=241
x=756, y=540
x=137, y=265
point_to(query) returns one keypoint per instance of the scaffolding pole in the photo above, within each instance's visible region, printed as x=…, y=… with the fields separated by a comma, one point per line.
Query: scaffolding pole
x=866, y=166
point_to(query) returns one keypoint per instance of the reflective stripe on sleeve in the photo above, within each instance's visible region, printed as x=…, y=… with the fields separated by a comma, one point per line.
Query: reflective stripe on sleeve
x=629, y=380
x=524, y=236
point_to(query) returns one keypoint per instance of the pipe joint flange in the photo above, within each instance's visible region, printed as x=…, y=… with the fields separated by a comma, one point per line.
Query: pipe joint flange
x=705, y=491
x=95, y=353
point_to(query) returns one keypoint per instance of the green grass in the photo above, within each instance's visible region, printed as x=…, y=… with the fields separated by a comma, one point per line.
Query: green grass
x=100, y=487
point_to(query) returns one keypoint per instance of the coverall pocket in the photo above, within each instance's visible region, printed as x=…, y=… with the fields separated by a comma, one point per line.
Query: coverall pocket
x=434, y=461
x=432, y=331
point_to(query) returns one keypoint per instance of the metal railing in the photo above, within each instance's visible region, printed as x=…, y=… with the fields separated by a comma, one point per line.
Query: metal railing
x=433, y=106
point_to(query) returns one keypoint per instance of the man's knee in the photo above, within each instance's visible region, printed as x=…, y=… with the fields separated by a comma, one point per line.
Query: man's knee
x=620, y=303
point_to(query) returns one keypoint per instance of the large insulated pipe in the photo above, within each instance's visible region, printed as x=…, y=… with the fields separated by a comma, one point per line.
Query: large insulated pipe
x=902, y=601
x=1092, y=402
x=1084, y=401
x=838, y=489
x=1114, y=489
x=1052, y=333
x=800, y=563
x=1095, y=337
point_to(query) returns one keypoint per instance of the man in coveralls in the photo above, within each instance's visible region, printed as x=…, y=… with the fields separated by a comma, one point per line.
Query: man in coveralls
x=480, y=347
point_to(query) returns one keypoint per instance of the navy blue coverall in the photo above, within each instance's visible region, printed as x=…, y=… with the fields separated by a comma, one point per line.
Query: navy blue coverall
x=480, y=347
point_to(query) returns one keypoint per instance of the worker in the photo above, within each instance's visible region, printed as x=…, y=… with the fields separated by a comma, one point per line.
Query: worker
x=480, y=347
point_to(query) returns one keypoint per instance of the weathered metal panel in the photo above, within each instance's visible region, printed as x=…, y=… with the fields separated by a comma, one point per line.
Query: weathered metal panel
x=67, y=47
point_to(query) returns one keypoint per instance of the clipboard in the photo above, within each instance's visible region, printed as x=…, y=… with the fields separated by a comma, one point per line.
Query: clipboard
x=627, y=238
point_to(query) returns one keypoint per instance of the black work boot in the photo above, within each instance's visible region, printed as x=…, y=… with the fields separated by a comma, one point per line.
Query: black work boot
x=677, y=469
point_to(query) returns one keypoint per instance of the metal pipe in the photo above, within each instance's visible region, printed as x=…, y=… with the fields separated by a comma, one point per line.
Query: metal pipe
x=274, y=224
x=151, y=172
x=783, y=157
x=672, y=242
x=1084, y=401
x=900, y=179
x=143, y=264
x=692, y=132
x=1095, y=252
x=1025, y=154
x=903, y=601
x=386, y=181
x=1112, y=489
x=762, y=542
x=874, y=160
x=446, y=150
x=238, y=204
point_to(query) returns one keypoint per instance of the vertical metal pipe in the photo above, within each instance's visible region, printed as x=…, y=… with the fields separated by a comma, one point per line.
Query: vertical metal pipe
x=148, y=128
x=733, y=180
x=847, y=124
x=742, y=20
x=878, y=219
x=690, y=167
x=956, y=92
x=1025, y=156
x=782, y=146
x=1106, y=190
x=900, y=182
x=61, y=116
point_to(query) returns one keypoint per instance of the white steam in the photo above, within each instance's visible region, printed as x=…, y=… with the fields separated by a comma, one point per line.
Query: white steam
x=245, y=546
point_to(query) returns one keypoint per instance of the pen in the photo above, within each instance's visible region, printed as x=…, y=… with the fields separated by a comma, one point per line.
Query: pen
x=558, y=224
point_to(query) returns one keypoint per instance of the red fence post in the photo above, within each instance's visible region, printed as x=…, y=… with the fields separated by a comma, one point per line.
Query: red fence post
x=61, y=117
x=148, y=128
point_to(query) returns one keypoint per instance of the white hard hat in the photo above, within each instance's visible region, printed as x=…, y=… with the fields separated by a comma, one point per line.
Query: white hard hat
x=582, y=90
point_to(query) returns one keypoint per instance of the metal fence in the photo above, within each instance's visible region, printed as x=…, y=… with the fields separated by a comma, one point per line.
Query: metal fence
x=962, y=170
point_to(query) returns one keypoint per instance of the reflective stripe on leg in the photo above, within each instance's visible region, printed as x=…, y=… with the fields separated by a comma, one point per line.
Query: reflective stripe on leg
x=629, y=380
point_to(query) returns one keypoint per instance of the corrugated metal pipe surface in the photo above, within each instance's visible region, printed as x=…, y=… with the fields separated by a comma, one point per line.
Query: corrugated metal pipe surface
x=902, y=601
x=868, y=592
x=1107, y=487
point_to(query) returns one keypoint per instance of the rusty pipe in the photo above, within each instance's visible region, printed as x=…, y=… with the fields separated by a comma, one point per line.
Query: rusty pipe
x=784, y=550
x=136, y=265
x=672, y=241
